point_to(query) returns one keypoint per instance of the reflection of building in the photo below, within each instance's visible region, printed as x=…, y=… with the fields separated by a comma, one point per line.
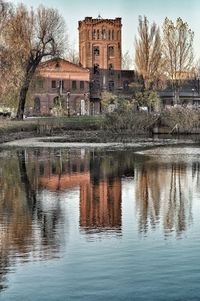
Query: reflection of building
x=60, y=78
x=100, y=205
x=100, y=190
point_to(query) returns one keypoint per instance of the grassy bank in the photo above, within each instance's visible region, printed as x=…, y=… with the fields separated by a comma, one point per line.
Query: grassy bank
x=50, y=123
x=119, y=124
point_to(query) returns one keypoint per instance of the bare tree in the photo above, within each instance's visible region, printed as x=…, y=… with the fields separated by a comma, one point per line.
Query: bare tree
x=72, y=54
x=8, y=75
x=30, y=37
x=127, y=62
x=148, y=51
x=177, y=48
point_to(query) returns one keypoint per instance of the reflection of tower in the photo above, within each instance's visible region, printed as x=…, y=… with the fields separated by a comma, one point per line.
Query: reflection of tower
x=100, y=205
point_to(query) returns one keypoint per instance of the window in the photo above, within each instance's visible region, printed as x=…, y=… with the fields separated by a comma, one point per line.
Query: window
x=98, y=34
x=61, y=84
x=111, y=85
x=74, y=85
x=57, y=64
x=96, y=68
x=81, y=85
x=113, y=35
x=118, y=35
x=94, y=34
x=36, y=108
x=109, y=35
x=103, y=34
x=96, y=50
x=110, y=68
x=110, y=51
x=53, y=84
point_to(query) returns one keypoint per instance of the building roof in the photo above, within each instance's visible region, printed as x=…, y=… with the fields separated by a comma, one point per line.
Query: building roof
x=61, y=65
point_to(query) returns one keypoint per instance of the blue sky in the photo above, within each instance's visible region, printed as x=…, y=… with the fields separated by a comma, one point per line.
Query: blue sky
x=128, y=10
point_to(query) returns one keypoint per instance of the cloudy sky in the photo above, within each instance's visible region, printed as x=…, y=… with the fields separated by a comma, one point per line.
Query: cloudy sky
x=128, y=10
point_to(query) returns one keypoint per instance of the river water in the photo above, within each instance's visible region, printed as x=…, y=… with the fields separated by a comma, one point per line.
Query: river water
x=100, y=223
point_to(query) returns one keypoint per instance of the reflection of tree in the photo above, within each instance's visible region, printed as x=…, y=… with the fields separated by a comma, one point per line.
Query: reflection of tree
x=148, y=194
x=161, y=195
x=25, y=226
x=196, y=173
x=176, y=213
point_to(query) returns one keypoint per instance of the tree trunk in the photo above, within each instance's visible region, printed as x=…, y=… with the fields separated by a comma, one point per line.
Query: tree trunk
x=22, y=100
x=25, y=86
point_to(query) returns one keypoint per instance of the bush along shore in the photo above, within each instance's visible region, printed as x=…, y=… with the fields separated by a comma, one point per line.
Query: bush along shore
x=109, y=127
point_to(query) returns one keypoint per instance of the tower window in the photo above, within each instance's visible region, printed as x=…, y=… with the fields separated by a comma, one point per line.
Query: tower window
x=113, y=35
x=110, y=68
x=110, y=51
x=103, y=34
x=96, y=50
x=118, y=35
x=96, y=68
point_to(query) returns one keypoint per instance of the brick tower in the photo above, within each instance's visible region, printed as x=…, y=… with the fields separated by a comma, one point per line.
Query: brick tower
x=100, y=43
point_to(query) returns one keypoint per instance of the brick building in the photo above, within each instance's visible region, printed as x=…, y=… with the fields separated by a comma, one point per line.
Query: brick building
x=100, y=51
x=58, y=77
x=81, y=86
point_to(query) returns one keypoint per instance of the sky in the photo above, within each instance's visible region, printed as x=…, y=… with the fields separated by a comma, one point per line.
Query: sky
x=129, y=10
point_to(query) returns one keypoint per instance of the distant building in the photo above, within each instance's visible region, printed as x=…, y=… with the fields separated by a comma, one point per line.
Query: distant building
x=184, y=92
x=60, y=78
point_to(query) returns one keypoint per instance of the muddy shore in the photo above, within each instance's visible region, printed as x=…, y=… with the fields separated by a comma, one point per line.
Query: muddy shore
x=95, y=136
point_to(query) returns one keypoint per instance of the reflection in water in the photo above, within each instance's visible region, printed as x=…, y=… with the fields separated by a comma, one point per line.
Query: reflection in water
x=32, y=227
x=163, y=195
x=26, y=229
x=100, y=205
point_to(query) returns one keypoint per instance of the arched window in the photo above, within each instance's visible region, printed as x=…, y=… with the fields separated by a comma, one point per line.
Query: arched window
x=111, y=69
x=96, y=69
x=110, y=51
x=113, y=34
x=36, y=105
x=94, y=34
x=103, y=34
x=96, y=51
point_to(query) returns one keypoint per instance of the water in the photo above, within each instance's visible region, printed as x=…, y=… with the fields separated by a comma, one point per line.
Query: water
x=92, y=224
